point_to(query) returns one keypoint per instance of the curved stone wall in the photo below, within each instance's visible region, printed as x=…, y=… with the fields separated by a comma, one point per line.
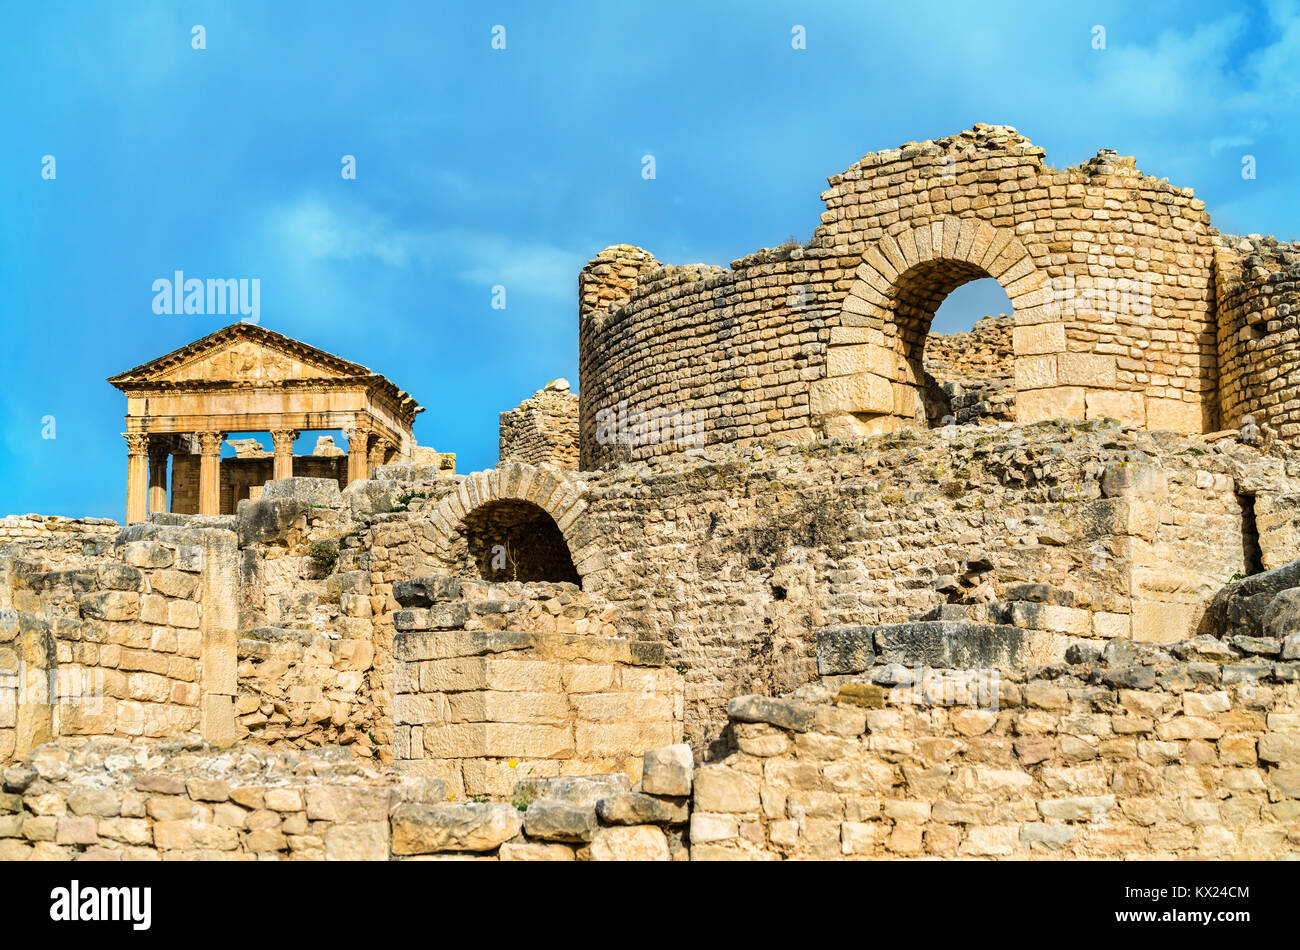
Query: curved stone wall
x=1259, y=334
x=1110, y=272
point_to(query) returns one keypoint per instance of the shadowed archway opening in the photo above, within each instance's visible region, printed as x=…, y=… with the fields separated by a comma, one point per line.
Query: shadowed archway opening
x=968, y=358
x=512, y=540
x=950, y=374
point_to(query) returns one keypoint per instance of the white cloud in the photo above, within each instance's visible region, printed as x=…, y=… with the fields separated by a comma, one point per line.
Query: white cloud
x=312, y=230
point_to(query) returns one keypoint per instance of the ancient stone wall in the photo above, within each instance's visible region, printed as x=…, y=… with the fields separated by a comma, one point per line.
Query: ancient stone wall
x=177, y=802
x=1258, y=289
x=1109, y=272
x=173, y=801
x=494, y=683
x=1186, y=751
x=302, y=690
x=107, y=651
x=735, y=560
x=543, y=429
x=1139, y=755
x=56, y=540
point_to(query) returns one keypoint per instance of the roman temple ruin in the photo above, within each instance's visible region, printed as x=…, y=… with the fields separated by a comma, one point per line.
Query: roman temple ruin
x=790, y=576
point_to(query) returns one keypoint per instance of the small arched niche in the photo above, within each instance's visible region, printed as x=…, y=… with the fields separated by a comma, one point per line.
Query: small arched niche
x=516, y=540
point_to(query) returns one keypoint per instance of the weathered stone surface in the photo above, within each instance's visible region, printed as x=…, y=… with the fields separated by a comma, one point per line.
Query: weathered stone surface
x=311, y=492
x=268, y=519
x=631, y=808
x=584, y=790
x=786, y=713
x=638, y=843
x=668, y=771
x=549, y=819
x=357, y=842
x=954, y=645
x=722, y=790
x=534, y=851
x=845, y=650
x=428, y=829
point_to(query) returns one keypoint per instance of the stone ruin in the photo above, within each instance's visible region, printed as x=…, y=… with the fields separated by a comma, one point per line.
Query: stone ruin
x=789, y=577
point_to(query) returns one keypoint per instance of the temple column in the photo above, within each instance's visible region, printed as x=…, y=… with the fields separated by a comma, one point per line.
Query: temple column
x=358, y=445
x=137, y=476
x=158, y=455
x=210, y=472
x=283, y=440
x=378, y=455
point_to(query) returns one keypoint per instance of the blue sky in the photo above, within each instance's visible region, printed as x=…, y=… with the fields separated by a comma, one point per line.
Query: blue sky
x=478, y=167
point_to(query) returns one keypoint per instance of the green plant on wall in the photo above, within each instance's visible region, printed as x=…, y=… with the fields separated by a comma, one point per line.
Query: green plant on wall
x=324, y=555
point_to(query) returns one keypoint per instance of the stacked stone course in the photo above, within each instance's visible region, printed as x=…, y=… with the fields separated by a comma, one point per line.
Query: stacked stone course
x=494, y=683
x=543, y=429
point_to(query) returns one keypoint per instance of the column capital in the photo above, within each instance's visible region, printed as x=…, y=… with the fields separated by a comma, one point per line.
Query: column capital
x=285, y=435
x=210, y=442
x=137, y=443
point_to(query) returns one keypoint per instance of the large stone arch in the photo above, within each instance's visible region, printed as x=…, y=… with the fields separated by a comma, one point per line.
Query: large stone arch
x=544, y=487
x=873, y=378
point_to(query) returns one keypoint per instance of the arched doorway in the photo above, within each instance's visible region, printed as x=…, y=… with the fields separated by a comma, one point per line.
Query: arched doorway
x=875, y=374
x=968, y=361
x=515, y=540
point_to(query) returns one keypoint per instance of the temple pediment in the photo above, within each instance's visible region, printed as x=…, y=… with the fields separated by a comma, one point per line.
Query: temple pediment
x=244, y=361
x=241, y=354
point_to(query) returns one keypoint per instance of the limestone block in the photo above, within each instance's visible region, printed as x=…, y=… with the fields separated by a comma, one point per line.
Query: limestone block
x=550, y=819
x=632, y=808
x=427, y=829
x=706, y=828
x=217, y=718
x=348, y=804
x=533, y=851
x=1161, y=622
x=1281, y=749
x=622, y=738
x=111, y=605
x=1109, y=625
x=1173, y=415
x=721, y=789
x=1043, y=405
x=1086, y=369
x=1035, y=372
x=150, y=554
x=1038, y=339
x=1128, y=408
x=502, y=706
x=183, y=613
x=635, y=843
x=668, y=771
x=1085, y=808
x=367, y=841
x=862, y=392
